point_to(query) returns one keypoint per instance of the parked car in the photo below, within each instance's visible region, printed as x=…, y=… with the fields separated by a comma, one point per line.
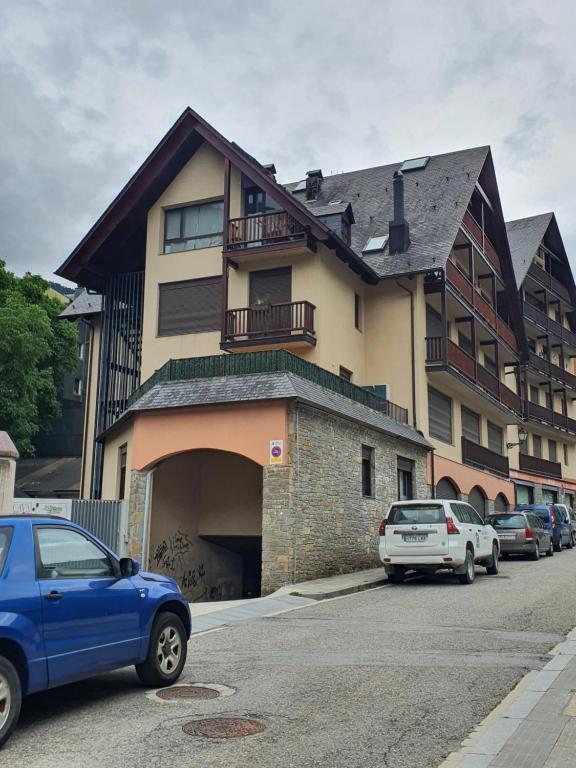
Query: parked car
x=570, y=518
x=434, y=534
x=522, y=533
x=70, y=608
x=554, y=521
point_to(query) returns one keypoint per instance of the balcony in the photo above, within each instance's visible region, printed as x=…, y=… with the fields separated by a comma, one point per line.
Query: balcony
x=539, y=413
x=270, y=231
x=464, y=289
x=547, y=368
x=537, y=466
x=482, y=242
x=443, y=354
x=546, y=279
x=288, y=324
x=541, y=319
x=483, y=458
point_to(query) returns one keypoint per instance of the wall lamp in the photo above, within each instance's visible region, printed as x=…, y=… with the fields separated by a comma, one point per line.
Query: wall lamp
x=522, y=437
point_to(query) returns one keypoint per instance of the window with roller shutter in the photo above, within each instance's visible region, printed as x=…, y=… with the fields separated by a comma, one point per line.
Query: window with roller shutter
x=189, y=306
x=495, y=438
x=471, y=425
x=439, y=415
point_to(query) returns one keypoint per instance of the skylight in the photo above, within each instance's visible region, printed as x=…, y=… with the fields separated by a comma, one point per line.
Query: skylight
x=375, y=244
x=416, y=164
x=300, y=187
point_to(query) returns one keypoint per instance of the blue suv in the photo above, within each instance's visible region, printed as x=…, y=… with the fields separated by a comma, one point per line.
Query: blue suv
x=555, y=521
x=70, y=608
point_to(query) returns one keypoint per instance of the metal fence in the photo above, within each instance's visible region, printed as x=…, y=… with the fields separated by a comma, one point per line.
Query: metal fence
x=107, y=520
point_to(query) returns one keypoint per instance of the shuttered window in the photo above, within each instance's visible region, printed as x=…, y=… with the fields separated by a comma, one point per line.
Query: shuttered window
x=495, y=437
x=271, y=286
x=552, y=452
x=537, y=446
x=439, y=415
x=190, y=306
x=470, y=425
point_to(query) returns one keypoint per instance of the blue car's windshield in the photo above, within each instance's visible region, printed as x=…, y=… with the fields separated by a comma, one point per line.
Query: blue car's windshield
x=5, y=536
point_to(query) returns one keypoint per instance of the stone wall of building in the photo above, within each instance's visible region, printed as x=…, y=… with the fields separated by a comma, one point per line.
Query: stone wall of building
x=136, y=509
x=316, y=520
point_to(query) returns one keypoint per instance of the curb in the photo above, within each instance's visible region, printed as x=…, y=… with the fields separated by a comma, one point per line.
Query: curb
x=342, y=592
x=488, y=738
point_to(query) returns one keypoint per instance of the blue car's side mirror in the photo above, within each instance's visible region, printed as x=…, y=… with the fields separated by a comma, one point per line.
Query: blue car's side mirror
x=128, y=567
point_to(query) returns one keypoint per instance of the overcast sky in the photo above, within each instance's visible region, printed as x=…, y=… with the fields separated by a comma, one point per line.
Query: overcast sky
x=88, y=87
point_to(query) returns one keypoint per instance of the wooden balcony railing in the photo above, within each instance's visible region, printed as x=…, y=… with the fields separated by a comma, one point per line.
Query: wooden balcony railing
x=464, y=287
x=438, y=355
x=540, y=466
x=539, y=317
x=479, y=456
x=264, y=229
x=544, y=366
x=546, y=279
x=271, y=320
x=482, y=241
x=548, y=416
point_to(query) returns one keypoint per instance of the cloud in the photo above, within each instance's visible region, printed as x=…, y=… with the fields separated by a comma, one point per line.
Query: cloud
x=90, y=87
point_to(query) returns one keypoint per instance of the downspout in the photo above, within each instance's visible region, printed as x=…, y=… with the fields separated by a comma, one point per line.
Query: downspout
x=146, y=521
x=413, y=353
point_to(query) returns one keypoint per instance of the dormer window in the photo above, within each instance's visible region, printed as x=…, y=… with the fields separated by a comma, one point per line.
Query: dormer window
x=193, y=226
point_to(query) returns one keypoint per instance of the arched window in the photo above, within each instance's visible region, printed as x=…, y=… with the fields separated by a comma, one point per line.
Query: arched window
x=445, y=489
x=477, y=498
x=501, y=503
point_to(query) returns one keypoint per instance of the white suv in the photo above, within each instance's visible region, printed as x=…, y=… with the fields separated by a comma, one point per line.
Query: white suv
x=433, y=534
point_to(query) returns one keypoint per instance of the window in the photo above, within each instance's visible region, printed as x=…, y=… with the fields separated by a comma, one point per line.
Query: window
x=470, y=425
x=357, y=312
x=405, y=479
x=67, y=554
x=548, y=400
x=416, y=514
x=439, y=415
x=495, y=437
x=537, y=446
x=367, y=471
x=416, y=164
x=78, y=387
x=345, y=373
x=189, y=306
x=465, y=343
x=566, y=454
x=375, y=244
x=122, y=459
x=270, y=286
x=552, y=450
x=490, y=366
x=5, y=537
x=524, y=494
x=256, y=202
x=81, y=353
x=534, y=394
x=194, y=226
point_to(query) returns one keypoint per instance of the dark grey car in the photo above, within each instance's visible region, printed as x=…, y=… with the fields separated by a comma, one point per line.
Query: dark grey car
x=522, y=533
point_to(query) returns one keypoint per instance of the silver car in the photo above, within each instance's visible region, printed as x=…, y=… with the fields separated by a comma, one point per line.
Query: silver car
x=522, y=533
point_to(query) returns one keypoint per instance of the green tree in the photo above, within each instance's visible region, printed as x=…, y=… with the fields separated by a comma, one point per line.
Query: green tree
x=36, y=350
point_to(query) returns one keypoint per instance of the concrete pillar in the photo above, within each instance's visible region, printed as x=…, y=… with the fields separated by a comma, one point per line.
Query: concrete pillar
x=8, y=456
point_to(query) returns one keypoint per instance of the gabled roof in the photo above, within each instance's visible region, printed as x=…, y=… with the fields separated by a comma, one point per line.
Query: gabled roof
x=524, y=236
x=436, y=199
x=126, y=215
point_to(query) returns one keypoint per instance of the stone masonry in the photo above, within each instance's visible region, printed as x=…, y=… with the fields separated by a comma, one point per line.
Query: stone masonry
x=136, y=509
x=316, y=522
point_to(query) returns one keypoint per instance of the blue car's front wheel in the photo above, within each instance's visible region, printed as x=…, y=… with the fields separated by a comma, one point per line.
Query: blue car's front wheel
x=166, y=652
x=10, y=698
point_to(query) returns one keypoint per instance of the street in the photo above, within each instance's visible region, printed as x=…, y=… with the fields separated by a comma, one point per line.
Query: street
x=394, y=677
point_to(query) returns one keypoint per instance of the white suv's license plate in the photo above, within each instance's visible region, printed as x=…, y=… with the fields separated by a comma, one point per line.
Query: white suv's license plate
x=414, y=537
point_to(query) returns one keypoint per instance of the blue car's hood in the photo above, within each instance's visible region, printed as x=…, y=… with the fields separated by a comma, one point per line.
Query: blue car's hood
x=158, y=577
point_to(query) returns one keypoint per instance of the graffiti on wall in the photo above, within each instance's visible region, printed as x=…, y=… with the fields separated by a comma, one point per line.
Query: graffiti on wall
x=174, y=556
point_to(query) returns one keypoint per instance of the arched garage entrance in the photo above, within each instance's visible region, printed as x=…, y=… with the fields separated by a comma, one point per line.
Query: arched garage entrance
x=477, y=499
x=446, y=489
x=500, y=503
x=206, y=524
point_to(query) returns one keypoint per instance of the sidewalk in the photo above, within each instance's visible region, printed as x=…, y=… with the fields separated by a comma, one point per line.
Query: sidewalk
x=535, y=725
x=206, y=616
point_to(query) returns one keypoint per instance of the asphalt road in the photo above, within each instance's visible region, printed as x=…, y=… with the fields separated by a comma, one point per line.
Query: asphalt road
x=390, y=678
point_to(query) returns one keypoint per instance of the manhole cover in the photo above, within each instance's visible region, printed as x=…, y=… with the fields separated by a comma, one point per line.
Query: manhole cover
x=223, y=728
x=186, y=692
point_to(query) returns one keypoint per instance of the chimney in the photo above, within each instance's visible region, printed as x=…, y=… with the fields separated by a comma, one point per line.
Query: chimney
x=313, y=184
x=399, y=238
